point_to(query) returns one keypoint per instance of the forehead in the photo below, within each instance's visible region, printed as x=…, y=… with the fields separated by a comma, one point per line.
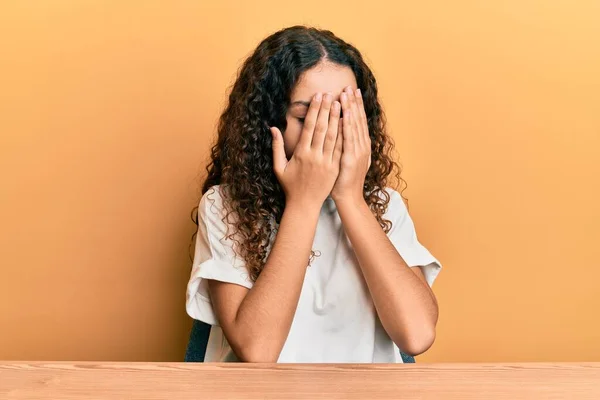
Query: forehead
x=323, y=77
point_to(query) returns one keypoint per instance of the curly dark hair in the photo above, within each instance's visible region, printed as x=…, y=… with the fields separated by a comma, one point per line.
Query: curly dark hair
x=242, y=158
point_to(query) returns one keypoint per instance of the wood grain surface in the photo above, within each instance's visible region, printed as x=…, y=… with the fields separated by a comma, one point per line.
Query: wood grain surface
x=105, y=380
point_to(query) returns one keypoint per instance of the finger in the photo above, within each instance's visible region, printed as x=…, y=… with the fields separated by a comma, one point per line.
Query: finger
x=348, y=129
x=355, y=117
x=345, y=103
x=322, y=123
x=310, y=122
x=279, y=159
x=347, y=126
x=363, y=113
x=337, y=151
x=332, y=130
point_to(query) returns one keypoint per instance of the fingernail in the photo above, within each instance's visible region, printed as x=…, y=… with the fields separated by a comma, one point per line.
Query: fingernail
x=344, y=96
x=358, y=93
x=319, y=97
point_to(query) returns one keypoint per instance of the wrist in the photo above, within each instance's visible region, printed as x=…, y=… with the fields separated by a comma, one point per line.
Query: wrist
x=303, y=206
x=344, y=201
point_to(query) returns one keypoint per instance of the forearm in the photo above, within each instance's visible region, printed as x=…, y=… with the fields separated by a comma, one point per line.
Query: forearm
x=265, y=315
x=405, y=304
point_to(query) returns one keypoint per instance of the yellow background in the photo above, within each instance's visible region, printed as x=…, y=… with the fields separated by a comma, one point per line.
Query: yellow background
x=107, y=109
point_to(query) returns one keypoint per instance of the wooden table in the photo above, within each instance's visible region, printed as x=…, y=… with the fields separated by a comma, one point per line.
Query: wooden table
x=178, y=381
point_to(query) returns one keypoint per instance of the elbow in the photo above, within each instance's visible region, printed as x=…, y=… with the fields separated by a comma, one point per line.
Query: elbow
x=249, y=356
x=257, y=353
x=417, y=343
x=252, y=347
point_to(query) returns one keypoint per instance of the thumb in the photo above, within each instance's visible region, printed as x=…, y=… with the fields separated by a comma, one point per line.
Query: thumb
x=279, y=158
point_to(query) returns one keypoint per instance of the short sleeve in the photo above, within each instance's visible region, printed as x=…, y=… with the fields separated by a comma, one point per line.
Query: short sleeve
x=404, y=237
x=214, y=258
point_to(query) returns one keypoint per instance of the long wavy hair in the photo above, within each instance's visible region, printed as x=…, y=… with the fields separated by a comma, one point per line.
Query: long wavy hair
x=241, y=161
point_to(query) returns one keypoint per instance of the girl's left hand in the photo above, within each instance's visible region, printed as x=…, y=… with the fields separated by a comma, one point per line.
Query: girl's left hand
x=356, y=153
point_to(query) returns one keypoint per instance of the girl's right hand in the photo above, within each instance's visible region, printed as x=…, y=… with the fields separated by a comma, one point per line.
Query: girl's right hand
x=309, y=176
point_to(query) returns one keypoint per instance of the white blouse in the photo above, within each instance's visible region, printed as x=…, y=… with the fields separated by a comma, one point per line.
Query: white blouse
x=335, y=321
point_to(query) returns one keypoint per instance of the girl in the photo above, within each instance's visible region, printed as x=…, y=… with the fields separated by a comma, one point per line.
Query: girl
x=303, y=253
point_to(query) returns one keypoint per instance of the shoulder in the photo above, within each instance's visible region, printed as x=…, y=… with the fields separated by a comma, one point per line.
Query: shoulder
x=396, y=206
x=212, y=195
x=393, y=193
x=210, y=208
x=213, y=201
